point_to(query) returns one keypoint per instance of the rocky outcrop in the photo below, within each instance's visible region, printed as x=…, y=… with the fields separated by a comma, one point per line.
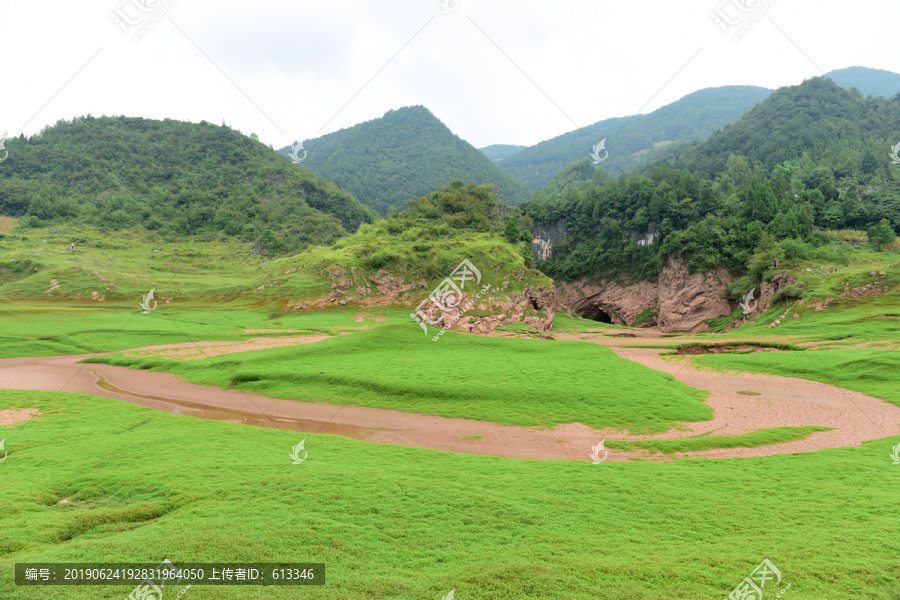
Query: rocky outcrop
x=481, y=308
x=769, y=288
x=687, y=299
x=681, y=300
x=535, y=307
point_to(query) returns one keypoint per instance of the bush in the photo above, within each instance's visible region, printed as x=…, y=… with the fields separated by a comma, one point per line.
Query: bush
x=795, y=249
x=736, y=291
x=788, y=293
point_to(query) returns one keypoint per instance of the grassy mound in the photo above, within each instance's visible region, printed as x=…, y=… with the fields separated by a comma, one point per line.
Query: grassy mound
x=491, y=379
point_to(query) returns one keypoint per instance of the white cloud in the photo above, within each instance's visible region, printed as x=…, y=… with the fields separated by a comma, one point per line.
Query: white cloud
x=300, y=62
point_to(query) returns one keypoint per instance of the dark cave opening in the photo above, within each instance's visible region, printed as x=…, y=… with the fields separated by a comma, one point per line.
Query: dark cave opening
x=595, y=314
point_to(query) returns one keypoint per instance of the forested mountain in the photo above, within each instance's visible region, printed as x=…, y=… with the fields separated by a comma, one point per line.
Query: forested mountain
x=827, y=132
x=870, y=82
x=810, y=158
x=500, y=151
x=173, y=177
x=693, y=117
x=402, y=156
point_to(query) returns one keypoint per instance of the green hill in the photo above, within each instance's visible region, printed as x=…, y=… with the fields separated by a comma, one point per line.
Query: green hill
x=497, y=152
x=693, y=117
x=829, y=138
x=402, y=156
x=407, y=253
x=871, y=82
x=810, y=158
x=174, y=178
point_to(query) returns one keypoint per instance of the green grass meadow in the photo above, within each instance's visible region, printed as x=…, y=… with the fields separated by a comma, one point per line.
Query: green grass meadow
x=409, y=523
x=393, y=522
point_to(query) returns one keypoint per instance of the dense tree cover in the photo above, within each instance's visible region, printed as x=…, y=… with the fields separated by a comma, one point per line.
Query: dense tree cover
x=707, y=223
x=631, y=141
x=816, y=123
x=870, y=82
x=445, y=218
x=466, y=207
x=403, y=155
x=815, y=134
x=173, y=177
x=881, y=235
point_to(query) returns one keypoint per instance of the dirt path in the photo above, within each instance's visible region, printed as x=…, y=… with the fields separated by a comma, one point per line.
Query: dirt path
x=782, y=401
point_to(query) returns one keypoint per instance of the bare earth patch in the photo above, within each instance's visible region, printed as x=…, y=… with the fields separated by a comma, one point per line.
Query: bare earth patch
x=365, y=316
x=197, y=350
x=270, y=330
x=11, y=416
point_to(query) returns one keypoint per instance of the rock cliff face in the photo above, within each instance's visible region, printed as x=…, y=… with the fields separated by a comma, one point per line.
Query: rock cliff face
x=545, y=237
x=681, y=300
x=687, y=299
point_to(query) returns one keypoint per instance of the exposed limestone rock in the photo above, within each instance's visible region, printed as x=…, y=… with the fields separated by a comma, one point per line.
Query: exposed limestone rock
x=687, y=299
x=871, y=289
x=680, y=299
x=545, y=236
x=621, y=303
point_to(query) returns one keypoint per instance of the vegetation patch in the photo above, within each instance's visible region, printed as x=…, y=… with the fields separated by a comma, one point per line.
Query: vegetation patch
x=699, y=443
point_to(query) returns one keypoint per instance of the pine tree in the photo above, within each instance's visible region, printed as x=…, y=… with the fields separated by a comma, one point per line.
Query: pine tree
x=511, y=231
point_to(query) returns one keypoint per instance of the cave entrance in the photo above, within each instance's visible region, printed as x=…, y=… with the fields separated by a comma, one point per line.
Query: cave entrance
x=597, y=314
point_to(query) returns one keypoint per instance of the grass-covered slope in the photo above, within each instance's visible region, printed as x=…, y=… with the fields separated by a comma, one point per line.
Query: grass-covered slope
x=176, y=178
x=407, y=523
x=401, y=258
x=402, y=156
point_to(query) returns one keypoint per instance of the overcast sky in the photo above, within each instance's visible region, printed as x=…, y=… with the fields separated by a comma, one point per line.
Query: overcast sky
x=495, y=71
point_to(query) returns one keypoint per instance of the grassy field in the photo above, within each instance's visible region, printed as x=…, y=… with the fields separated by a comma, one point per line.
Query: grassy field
x=406, y=523
x=411, y=523
x=761, y=437
x=45, y=329
x=491, y=379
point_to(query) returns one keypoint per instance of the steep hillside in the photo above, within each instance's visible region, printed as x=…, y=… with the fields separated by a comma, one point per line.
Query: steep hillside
x=871, y=82
x=402, y=156
x=693, y=117
x=172, y=177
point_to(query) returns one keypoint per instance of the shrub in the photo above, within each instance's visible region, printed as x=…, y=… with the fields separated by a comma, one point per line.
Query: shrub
x=788, y=293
